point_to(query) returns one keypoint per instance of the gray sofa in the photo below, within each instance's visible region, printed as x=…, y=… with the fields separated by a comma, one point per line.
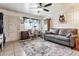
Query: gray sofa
x=62, y=36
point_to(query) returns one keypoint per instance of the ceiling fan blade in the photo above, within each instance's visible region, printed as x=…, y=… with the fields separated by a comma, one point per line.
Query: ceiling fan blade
x=48, y=5
x=46, y=10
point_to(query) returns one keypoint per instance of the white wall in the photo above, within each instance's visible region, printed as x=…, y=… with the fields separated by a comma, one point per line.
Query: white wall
x=43, y=26
x=71, y=16
x=11, y=18
x=11, y=27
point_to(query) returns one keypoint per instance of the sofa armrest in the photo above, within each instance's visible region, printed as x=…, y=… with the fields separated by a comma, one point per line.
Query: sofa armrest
x=47, y=32
x=72, y=40
x=73, y=36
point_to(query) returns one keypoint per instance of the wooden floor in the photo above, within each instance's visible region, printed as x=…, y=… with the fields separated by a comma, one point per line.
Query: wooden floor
x=12, y=49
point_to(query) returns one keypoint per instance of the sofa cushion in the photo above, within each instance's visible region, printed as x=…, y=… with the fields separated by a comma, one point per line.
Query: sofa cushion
x=62, y=38
x=54, y=31
x=63, y=32
x=59, y=37
x=62, y=42
x=50, y=35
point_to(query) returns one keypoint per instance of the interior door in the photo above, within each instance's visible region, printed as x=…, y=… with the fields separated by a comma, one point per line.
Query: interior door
x=12, y=28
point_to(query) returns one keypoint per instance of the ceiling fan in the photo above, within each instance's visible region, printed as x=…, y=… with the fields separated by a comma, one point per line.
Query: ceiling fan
x=43, y=6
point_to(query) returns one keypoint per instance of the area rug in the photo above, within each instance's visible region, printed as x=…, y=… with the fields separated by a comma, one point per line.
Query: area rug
x=40, y=47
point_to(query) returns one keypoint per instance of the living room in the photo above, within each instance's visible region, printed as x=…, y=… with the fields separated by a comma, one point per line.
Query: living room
x=39, y=29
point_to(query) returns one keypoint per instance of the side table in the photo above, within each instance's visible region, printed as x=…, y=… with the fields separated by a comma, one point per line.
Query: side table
x=77, y=44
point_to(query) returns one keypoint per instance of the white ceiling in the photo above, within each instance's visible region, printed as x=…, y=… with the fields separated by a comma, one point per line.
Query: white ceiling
x=27, y=7
x=21, y=7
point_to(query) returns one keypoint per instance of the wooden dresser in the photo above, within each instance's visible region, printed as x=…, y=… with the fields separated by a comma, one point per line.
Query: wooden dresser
x=24, y=35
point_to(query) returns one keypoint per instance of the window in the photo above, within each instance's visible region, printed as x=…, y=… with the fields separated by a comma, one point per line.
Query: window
x=32, y=24
x=27, y=24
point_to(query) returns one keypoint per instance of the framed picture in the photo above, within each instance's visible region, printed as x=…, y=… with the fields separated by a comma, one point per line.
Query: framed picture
x=61, y=18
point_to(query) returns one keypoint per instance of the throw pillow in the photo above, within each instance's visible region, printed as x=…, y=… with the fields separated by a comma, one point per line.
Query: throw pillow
x=68, y=35
x=63, y=32
x=54, y=31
